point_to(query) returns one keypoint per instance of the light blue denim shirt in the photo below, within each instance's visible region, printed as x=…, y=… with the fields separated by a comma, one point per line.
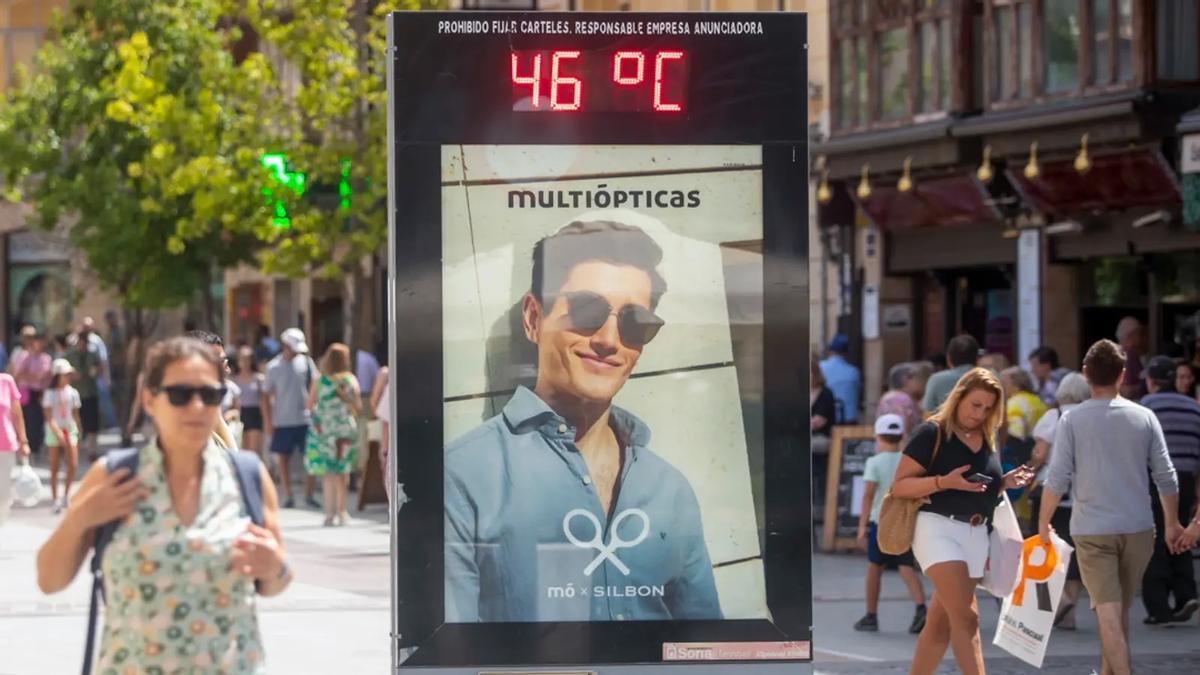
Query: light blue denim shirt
x=521, y=527
x=845, y=381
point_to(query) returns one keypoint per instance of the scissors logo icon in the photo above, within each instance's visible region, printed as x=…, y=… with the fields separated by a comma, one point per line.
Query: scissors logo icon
x=615, y=541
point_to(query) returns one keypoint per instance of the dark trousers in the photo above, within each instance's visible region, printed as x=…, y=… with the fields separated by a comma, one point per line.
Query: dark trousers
x=1169, y=574
x=35, y=422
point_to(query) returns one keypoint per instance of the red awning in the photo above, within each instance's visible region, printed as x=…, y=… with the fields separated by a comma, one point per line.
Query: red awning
x=954, y=200
x=1123, y=180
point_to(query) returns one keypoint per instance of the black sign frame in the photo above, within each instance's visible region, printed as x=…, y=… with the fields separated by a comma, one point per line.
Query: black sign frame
x=746, y=89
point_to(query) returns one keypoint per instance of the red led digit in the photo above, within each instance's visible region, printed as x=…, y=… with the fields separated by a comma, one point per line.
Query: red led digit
x=534, y=80
x=639, y=58
x=556, y=81
x=659, y=61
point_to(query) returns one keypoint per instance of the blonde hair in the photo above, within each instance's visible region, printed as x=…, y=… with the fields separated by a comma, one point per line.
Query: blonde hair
x=336, y=360
x=981, y=379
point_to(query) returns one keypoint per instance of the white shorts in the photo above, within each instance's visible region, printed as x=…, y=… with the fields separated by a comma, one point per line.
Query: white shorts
x=938, y=539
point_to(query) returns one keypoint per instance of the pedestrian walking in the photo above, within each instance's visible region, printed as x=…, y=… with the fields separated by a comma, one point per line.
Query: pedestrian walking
x=267, y=347
x=822, y=409
x=1185, y=378
x=381, y=403
x=187, y=601
x=906, y=387
x=32, y=371
x=843, y=378
x=878, y=473
x=993, y=361
x=961, y=353
x=952, y=460
x=334, y=401
x=366, y=369
x=1171, y=574
x=24, y=338
x=1022, y=409
x=1045, y=368
x=96, y=345
x=285, y=411
x=1131, y=336
x=14, y=443
x=1072, y=390
x=250, y=381
x=61, y=405
x=1106, y=450
x=86, y=363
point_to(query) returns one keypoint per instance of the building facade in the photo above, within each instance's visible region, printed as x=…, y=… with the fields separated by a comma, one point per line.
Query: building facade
x=1009, y=169
x=44, y=281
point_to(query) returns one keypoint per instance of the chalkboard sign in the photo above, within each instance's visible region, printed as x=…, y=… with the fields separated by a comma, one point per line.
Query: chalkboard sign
x=848, y=453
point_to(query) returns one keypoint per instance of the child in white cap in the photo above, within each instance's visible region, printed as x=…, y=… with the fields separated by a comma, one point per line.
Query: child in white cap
x=877, y=478
x=60, y=405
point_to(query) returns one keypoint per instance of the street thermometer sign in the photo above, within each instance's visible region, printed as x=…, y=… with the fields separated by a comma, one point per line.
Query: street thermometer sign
x=599, y=342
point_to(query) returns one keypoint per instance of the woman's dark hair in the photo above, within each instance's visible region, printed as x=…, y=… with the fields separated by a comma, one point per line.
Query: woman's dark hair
x=1104, y=362
x=167, y=352
x=54, y=379
x=237, y=355
x=602, y=240
x=1045, y=355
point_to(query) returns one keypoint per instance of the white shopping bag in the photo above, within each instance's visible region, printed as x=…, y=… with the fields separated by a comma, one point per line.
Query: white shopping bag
x=1005, y=546
x=1028, y=613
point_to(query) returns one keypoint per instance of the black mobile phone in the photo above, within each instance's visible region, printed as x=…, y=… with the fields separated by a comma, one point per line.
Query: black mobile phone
x=980, y=478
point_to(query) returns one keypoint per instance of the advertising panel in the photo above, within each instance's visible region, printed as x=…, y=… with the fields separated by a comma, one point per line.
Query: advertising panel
x=599, y=456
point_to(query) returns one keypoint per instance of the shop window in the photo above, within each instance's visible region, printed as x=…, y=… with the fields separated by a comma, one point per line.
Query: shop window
x=1178, y=34
x=1058, y=48
x=891, y=62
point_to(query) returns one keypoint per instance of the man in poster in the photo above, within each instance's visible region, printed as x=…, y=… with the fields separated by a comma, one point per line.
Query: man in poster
x=556, y=509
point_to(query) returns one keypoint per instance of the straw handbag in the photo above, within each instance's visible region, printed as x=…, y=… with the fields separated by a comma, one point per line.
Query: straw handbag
x=898, y=515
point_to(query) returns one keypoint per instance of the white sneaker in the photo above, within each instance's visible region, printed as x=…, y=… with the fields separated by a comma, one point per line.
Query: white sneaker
x=58, y=508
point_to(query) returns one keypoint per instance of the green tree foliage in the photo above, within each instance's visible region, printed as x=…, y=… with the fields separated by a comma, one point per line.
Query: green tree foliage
x=138, y=131
x=334, y=110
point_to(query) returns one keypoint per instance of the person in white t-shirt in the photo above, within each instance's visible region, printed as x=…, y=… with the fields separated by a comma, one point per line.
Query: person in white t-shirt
x=878, y=473
x=60, y=405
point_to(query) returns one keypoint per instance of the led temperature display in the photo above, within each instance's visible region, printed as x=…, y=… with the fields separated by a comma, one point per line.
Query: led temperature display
x=621, y=80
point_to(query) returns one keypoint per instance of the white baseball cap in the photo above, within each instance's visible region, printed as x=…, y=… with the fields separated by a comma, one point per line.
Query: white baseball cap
x=293, y=338
x=890, y=424
x=61, y=367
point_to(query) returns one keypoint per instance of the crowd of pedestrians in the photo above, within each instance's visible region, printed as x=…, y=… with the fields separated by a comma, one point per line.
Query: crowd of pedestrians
x=1106, y=456
x=199, y=485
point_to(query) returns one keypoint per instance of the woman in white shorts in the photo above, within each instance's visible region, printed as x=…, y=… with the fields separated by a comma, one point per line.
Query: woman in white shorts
x=952, y=460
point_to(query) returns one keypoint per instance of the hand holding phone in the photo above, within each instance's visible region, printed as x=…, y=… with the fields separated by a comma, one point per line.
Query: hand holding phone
x=980, y=478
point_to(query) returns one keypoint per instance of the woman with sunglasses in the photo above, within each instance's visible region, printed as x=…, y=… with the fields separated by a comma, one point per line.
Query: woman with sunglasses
x=180, y=575
x=330, y=452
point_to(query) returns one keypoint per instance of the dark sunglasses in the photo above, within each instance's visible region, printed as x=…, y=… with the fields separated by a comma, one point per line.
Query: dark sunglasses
x=180, y=395
x=588, y=311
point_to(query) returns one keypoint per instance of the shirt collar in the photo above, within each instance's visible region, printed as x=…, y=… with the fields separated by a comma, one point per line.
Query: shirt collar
x=526, y=412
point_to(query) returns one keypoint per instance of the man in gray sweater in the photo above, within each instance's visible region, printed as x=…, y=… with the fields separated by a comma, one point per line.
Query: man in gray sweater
x=1102, y=451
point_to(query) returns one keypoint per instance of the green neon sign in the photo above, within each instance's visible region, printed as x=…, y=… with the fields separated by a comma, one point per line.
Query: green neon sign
x=276, y=164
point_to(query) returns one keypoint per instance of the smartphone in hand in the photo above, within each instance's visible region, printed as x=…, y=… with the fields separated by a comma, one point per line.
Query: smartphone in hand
x=980, y=478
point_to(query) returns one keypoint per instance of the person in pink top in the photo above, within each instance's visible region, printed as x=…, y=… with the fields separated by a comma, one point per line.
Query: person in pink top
x=13, y=441
x=31, y=369
x=906, y=387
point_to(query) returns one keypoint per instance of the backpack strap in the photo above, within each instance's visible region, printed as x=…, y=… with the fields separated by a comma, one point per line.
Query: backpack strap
x=249, y=477
x=115, y=459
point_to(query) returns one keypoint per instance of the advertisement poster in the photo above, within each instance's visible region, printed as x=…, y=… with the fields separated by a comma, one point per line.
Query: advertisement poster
x=602, y=318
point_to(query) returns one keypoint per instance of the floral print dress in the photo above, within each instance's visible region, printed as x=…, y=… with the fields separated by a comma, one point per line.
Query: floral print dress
x=332, y=421
x=174, y=605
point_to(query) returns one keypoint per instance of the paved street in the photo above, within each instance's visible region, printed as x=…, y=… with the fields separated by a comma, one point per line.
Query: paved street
x=335, y=618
